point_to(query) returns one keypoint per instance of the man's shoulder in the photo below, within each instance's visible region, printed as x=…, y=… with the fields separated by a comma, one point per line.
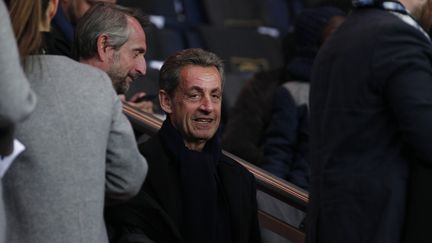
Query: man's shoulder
x=66, y=63
x=149, y=146
x=385, y=22
x=65, y=66
x=153, y=150
x=227, y=163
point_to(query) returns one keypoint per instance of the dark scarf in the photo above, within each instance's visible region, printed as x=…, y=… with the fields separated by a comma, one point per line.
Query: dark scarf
x=205, y=217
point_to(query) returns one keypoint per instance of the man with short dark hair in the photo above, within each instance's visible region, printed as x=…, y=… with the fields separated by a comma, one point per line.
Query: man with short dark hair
x=193, y=192
x=112, y=38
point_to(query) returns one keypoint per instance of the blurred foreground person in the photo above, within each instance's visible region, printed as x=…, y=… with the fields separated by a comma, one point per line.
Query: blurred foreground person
x=193, y=192
x=371, y=117
x=17, y=100
x=80, y=147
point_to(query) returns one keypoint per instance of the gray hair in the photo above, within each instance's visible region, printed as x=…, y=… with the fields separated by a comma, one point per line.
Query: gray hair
x=104, y=18
x=169, y=75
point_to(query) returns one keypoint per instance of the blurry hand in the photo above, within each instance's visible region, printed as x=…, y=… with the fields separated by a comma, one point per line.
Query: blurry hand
x=143, y=105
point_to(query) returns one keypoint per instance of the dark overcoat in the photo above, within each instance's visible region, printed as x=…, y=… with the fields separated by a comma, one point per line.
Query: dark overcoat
x=371, y=118
x=157, y=209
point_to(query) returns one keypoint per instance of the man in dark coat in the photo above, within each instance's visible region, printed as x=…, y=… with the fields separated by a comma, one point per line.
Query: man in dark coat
x=193, y=192
x=371, y=117
x=59, y=40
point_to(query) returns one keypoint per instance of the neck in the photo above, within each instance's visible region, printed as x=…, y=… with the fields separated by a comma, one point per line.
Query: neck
x=414, y=7
x=44, y=26
x=195, y=146
x=420, y=10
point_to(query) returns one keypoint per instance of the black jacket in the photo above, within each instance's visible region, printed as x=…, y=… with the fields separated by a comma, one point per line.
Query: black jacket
x=371, y=117
x=157, y=210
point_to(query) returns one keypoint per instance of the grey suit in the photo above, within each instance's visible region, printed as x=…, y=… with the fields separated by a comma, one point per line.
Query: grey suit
x=16, y=98
x=80, y=150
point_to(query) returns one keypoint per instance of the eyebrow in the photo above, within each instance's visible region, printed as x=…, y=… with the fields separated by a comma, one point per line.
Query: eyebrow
x=139, y=49
x=197, y=88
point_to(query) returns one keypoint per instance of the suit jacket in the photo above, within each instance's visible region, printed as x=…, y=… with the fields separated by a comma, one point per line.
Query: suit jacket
x=80, y=149
x=157, y=210
x=371, y=116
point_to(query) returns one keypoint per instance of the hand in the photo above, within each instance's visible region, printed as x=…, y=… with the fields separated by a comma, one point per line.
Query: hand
x=145, y=105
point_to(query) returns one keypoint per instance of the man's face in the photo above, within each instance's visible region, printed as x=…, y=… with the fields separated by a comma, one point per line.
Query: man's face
x=422, y=11
x=128, y=63
x=427, y=18
x=196, y=106
x=75, y=9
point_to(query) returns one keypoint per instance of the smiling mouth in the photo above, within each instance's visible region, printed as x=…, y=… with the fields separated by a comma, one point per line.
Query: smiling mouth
x=203, y=121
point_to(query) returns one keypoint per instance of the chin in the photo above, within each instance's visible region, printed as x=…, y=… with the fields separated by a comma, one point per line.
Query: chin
x=204, y=136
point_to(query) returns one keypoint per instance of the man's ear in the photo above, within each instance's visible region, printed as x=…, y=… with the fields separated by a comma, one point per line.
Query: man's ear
x=165, y=101
x=104, y=51
x=52, y=9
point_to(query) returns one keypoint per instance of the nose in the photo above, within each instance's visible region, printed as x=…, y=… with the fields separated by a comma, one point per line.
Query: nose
x=141, y=66
x=207, y=104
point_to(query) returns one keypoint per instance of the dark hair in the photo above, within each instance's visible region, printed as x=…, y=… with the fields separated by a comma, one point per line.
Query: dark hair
x=309, y=27
x=104, y=18
x=25, y=17
x=169, y=75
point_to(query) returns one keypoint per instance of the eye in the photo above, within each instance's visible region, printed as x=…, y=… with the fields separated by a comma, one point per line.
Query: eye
x=138, y=53
x=194, y=96
x=216, y=97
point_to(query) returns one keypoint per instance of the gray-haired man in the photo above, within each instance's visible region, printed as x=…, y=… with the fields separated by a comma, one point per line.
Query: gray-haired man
x=112, y=38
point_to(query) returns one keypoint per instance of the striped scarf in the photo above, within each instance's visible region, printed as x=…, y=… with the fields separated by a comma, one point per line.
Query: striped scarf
x=394, y=7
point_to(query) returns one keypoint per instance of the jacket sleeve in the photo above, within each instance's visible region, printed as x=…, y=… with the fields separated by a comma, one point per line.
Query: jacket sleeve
x=126, y=167
x=404, y=64
x=281, y=136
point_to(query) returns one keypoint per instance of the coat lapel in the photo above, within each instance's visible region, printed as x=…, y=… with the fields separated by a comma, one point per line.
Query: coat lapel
x=238, y=200
x=163, y=181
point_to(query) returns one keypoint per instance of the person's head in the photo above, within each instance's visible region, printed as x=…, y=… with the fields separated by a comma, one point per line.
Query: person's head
x=190, y=93
x=314, y=25
x=332, y=25
x=421, y=10
x=75, y=9
x=112, y=38
x=29, y=19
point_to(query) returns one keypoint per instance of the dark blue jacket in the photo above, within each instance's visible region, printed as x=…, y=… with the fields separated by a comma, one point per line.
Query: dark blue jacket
x=286, y=141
